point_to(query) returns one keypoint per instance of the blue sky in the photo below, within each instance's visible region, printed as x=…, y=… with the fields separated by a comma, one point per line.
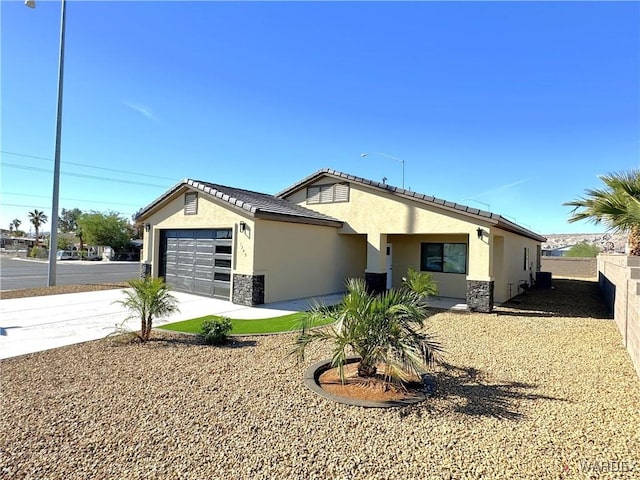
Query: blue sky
x=518, y=106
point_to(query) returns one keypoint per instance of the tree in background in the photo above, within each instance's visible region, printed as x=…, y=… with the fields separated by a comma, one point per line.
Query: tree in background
x=617, y=206
x=583, y=250
x=105, y=229
x=66, y=241
x=14, y=225
x=68, y=222
x=37, y=219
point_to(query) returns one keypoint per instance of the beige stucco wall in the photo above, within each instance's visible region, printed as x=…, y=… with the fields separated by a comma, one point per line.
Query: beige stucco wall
x=508, y=263
x=297, y=260
x=406, y=253
x=379, y=214
x=211, y=214
x=301, y=260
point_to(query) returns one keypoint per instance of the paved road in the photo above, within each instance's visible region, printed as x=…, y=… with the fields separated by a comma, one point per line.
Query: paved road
x=21, y=273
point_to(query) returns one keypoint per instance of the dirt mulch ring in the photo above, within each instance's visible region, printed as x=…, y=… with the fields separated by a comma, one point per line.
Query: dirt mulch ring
x=58, y=289
x=373, y=389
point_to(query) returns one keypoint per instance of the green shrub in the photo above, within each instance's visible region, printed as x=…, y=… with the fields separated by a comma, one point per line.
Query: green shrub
x=38, y=252
x=216, y=329
x=420, y=282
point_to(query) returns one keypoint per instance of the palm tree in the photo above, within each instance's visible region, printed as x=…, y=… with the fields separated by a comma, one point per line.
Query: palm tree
x=16, y=224
x=381, y=330
x=617, y=206
x=420, y=282
x=147, y=299
x=37, y=219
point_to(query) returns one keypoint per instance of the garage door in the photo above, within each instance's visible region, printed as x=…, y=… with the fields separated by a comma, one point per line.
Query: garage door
x=197, y=261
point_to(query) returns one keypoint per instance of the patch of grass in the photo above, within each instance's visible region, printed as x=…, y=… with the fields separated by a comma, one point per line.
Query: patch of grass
x=284, y=323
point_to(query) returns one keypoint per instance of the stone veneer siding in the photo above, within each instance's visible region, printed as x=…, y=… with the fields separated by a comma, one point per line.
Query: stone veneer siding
x=376, y=282
x=480, y=295
x=145, y=270
x=248, y=290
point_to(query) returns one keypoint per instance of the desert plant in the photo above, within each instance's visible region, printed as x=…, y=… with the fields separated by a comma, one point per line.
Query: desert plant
x=617, y=206
x=420, y=282
x=148, y=298
x=38, y=252
x=382, y=329
x=216, y=329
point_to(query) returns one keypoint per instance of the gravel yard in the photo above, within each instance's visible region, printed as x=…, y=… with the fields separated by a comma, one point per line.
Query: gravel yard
x=542, y=389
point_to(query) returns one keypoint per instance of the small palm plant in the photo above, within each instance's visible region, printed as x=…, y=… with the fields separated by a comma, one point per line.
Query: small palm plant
x=420, y=282
x=147, y=299
x=381, y=329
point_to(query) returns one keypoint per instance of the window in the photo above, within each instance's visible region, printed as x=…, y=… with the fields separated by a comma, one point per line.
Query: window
x=223, y=249
x=526, y=258
x=222, y=262
x=191, y=203
x=337, y=192
x=443, y=257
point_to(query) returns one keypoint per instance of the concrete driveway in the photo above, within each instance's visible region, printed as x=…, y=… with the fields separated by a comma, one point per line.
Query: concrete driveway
x=34, y=324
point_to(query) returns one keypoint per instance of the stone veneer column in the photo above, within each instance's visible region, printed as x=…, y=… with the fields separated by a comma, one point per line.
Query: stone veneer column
x=480, y=295
x=248, y=289
x=145, y=270
x=376, y=282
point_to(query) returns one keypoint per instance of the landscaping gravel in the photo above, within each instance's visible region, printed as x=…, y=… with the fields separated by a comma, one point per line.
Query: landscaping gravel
x=524, y=393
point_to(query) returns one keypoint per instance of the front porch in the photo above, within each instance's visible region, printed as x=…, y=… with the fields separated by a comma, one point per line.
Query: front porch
x=460, y=263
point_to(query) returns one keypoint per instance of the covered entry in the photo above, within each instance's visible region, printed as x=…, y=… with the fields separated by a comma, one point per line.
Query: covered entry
x=197, y=261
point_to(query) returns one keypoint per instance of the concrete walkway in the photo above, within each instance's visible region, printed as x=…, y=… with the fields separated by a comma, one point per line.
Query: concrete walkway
x=34, y=324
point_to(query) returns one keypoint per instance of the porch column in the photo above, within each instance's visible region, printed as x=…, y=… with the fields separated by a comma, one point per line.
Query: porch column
x=480, y=281
x=376, y=273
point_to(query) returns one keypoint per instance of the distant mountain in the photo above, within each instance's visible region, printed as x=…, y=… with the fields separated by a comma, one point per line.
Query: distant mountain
x=606, y=241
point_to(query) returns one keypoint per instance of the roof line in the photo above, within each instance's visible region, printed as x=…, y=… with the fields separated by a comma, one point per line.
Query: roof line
x=485, y=216
x=273, y=208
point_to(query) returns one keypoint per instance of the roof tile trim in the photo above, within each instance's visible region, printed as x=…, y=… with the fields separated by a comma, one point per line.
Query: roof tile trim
x=485, y=215
x=290, y=211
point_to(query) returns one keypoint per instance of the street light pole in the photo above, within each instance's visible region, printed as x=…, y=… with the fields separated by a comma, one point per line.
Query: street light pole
x=392, y=158
x=53, y=237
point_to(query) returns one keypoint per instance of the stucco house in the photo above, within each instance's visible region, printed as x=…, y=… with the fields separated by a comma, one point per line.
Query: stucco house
x=253, y=248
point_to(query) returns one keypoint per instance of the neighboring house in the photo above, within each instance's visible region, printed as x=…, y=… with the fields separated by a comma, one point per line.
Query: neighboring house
x=556, y=252
x=16, y=243
x=253, y=248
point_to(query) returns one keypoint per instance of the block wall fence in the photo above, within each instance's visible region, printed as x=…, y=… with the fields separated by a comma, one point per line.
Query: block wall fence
x=619, y=279
x=570, y=267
